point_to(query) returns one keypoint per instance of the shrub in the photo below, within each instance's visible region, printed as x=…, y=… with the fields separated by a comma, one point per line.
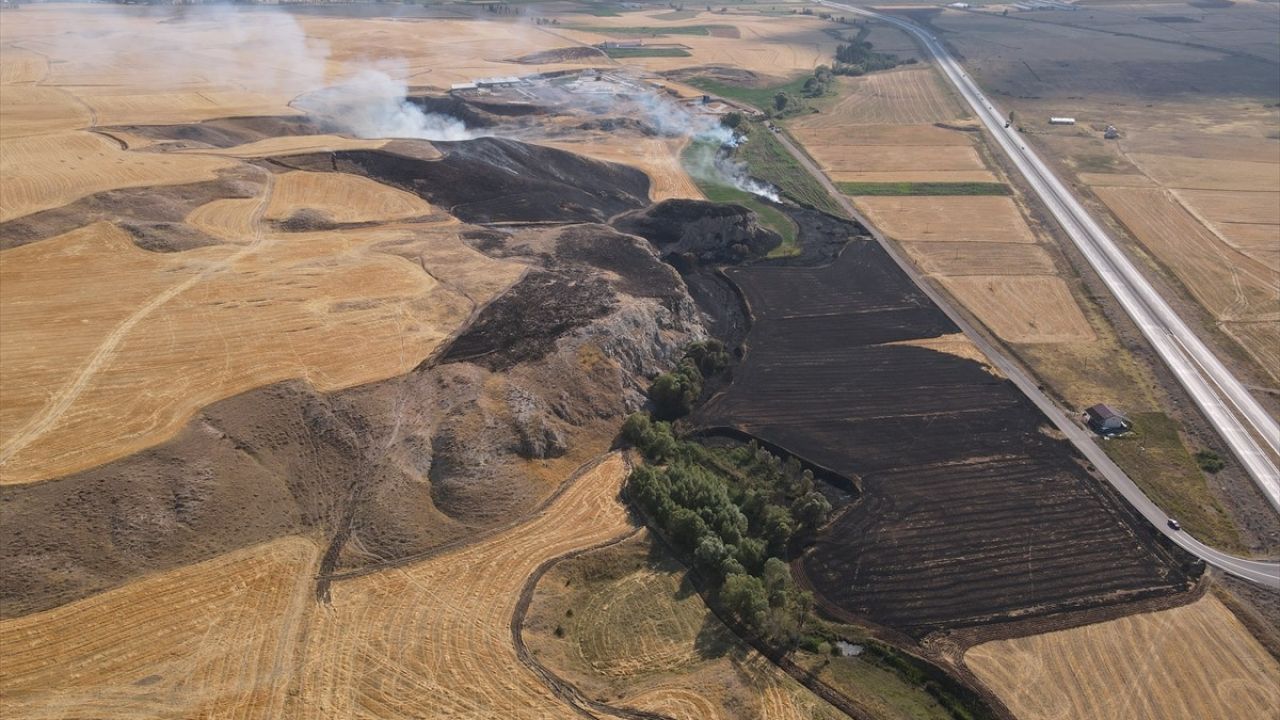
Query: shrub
x=1209, y=461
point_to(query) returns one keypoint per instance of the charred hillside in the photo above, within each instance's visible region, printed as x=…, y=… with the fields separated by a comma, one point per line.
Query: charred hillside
x=494, y=180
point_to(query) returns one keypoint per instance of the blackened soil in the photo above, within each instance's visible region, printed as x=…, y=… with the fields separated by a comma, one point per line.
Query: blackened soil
x=454, y=107
x=970, y=511
x=603, y=247
x=226, y=132
x=498, y=180
x=525, y=322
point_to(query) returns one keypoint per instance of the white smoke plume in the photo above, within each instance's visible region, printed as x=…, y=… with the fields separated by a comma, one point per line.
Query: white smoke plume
x=715, y=163
x=373, y=104
x=252, y=49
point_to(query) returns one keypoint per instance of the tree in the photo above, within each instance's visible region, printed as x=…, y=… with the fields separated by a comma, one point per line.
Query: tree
x=780, y=101
x=731, y=120
x=686, y=528
x=776, y=577
x=744, y=596
x=674, y=393
x=777, y=527
x=711, y=553
x=811, y=510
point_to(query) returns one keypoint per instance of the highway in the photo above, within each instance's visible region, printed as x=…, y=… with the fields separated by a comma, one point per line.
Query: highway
x=1252, y=434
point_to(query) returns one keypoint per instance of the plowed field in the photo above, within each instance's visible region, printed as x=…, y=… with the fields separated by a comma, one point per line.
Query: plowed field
x=969, y=511
x=1196, y=661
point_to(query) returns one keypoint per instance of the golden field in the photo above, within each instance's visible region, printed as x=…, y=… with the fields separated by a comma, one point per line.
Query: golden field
x=1196, y=661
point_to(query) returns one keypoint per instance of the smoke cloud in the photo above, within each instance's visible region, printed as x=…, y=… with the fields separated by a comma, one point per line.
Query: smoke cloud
x=373, y=104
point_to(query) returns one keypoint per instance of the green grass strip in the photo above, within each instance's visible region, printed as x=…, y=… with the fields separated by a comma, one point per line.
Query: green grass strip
x=645, y=52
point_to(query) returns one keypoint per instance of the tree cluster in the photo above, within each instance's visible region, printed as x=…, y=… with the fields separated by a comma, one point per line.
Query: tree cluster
x=735, y=513
x=857, y=57
x=674, y=393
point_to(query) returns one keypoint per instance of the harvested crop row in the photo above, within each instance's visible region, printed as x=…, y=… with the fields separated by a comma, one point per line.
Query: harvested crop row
x=1196, y=661
x=341, y=198
x=216, y=639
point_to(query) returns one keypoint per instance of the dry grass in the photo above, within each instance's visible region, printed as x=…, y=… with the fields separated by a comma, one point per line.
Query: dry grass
x=140, y=341
x=1193, y=173
x=241, y=636
x=956, y=259
x=900, y=159
x=1195, y=661
x=954, y=344
x=771, y=46
x=1261, y=340
x=216, y=639
x=829, y=129
x=659, y=158
x=989, y=219
x=1247, y=221
x=342, y=198
x=294, y=145
x=922, y=176
x=1025, y=309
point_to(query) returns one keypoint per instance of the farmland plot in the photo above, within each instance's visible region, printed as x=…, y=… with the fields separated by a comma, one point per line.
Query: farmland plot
x=216, y=639
x=969, y=513
x=1195, y=661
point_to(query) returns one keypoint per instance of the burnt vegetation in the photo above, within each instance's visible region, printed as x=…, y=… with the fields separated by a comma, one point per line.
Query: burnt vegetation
x=489, y=180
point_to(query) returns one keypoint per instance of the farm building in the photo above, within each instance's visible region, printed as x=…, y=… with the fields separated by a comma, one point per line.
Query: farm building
x=1106, y=421
x=1062, y=121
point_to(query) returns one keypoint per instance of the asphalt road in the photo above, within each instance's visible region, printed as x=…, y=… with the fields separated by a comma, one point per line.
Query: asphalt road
x=1060, y=201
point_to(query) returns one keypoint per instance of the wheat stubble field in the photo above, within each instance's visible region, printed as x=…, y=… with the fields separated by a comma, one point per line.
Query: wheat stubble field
x=1192, y=661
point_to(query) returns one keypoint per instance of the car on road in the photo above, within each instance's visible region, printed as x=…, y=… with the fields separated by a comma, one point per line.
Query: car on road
x=1175, y=524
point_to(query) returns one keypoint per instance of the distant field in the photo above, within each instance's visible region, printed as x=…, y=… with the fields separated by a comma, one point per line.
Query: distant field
x=922, y=188
x=1196, y=661
x=654, y=30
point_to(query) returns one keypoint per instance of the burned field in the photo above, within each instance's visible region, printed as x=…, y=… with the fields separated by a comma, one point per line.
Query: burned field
x=970, y=511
